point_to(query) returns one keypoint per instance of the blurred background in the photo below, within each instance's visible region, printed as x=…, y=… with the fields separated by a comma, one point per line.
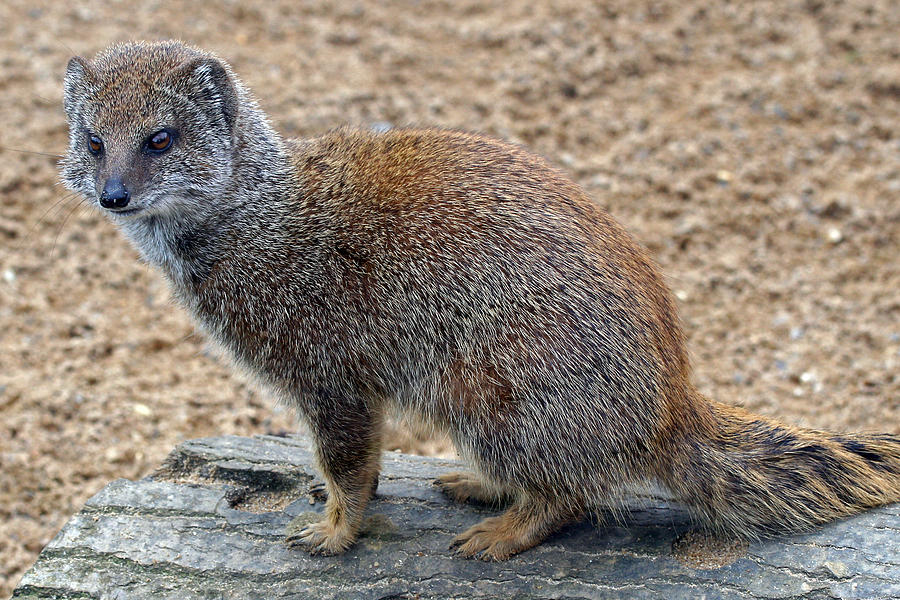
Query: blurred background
x=754, y=147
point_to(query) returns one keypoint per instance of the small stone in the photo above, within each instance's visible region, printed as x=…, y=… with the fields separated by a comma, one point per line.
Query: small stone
x=838, y=569
x=789, y=202
x=381, y=126
x=601, y=181
x=835, y=236
x=9, y=275
x=142, y=409
x=689, y=225
x=724, y=177
x=781, y=319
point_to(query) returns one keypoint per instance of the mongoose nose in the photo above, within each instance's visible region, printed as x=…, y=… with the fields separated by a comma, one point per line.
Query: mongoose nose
x=114, y=195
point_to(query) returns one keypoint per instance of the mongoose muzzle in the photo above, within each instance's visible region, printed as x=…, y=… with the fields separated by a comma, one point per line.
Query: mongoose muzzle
x=114, y=194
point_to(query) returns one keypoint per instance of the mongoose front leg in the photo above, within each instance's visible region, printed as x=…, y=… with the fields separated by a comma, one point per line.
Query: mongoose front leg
x=348, y=447
x=525, y=524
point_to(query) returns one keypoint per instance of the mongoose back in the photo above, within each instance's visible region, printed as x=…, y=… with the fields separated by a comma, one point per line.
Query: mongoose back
x=443, y=275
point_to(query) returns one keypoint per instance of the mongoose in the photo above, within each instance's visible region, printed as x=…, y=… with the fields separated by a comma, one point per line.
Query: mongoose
x=447, y=276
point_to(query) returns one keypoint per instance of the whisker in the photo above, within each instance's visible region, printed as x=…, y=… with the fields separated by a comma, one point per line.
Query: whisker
x=79, y=204
x=43, y=219
x=192, y=334
x=52, y=101
x=63, y=44
x=51, y=155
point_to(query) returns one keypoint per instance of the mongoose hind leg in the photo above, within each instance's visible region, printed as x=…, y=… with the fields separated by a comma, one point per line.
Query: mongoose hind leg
x=462, y=486
x=525, y=524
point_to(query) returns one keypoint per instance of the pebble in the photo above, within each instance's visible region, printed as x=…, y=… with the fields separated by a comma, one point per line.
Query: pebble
x=810, y=378
x=835, y=235
x=601, y=181
x=838, y=569
x=381, y=126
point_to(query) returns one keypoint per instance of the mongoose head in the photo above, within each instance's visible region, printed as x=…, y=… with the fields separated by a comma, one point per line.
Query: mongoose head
x=151, y=128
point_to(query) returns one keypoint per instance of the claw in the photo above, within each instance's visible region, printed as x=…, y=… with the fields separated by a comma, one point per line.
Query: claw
x=320, y=538
x=466, y=487
x=495, y=538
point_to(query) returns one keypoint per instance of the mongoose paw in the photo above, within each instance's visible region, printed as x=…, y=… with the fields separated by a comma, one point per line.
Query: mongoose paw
x=491, y=539
x=465, y=487
x=322, y=538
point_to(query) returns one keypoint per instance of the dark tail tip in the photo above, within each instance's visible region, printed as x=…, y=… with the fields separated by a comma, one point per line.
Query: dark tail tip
x=755, y=477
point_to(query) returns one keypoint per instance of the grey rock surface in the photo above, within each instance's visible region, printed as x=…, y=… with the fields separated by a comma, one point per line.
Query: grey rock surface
x=210, y=523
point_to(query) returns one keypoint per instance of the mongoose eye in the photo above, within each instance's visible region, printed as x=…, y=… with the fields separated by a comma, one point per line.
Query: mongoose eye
x=95, y=145
x=159, y=141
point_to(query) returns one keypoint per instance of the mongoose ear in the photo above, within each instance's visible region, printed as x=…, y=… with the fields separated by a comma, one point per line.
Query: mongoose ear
x=212, y=86
x=78, y=76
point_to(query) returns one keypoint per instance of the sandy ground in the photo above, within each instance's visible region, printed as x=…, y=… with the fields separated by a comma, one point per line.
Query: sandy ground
x=753, y=147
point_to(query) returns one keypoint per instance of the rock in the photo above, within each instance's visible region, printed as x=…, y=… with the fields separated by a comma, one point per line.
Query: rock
x=210, y=522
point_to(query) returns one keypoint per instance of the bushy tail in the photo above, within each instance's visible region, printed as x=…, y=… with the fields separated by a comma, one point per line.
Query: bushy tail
x=749, y=475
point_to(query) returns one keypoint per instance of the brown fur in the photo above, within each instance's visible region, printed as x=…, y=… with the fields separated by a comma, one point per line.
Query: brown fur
x=453, y=278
